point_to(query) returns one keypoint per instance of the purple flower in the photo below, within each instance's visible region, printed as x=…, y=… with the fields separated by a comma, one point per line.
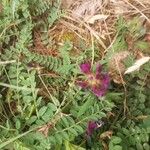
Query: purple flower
x=85, y=68
x=92, y=126
x=97, y=82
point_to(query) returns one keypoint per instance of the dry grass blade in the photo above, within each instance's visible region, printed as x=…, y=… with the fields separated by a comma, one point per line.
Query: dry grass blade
x=96, y=17
x=116, y=66
x=74, y=29
x=7, y=62
x=119, y=7
x=141, y=3
x=138, y=10
x=44, y=130
x=96, y=35
x=137, y=65
x=86, y=8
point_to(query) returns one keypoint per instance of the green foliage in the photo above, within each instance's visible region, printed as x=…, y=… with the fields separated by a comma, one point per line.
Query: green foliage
x=66, y=112
x=51, y=63
x=43, y=111
x=132, y=131
x=66, y=66
x=114, y=143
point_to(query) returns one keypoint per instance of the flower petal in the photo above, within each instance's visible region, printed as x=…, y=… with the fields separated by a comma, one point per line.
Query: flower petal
x=102, y=88
x=98, y=68
x=105, y=81
x=92, y=125
x=98, y=91
x=82, y=84
x=85, y=68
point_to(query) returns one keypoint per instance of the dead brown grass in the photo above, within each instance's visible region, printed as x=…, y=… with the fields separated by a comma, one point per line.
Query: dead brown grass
x=76, y=26
x=102, y=29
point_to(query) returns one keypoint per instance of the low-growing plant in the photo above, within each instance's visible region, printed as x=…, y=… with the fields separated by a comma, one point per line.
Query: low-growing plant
x=65, y=102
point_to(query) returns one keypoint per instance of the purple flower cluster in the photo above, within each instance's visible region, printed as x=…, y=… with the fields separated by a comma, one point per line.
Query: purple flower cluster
x=92, y=126
x=97, y=82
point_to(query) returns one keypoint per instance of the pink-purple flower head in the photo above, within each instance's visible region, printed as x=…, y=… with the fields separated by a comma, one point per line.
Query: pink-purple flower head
x=92, y=126
x=97, y=82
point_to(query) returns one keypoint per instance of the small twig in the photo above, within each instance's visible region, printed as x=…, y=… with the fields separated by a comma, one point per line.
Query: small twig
x=15, y=87
x=7, y=62
x=117, y=65
x=141, y=3
x=95, y=35
x=138, y=11
x=53, y=100
x=92, y=42
x=125, y=90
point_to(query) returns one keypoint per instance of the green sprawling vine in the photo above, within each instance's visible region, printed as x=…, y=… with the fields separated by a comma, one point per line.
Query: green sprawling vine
x=42, y=107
